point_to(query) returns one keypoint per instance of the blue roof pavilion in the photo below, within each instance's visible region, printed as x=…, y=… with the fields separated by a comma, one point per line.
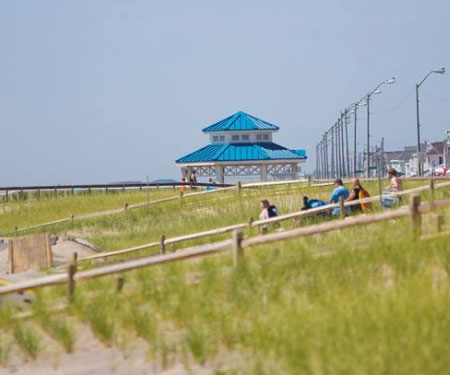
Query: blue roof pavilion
x=241, y=145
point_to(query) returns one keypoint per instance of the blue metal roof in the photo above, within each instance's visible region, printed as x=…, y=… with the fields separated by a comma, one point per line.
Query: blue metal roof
x=242, y=152
x=240, y=121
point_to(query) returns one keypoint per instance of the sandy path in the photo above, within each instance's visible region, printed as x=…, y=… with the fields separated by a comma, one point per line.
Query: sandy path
x=92, y=357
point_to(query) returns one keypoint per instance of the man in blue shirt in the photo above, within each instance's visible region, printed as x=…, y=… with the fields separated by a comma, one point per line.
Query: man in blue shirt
x=340, y=191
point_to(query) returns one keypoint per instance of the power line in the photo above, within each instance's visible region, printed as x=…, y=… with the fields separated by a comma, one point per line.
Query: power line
x=442, y=98
x=397, y=106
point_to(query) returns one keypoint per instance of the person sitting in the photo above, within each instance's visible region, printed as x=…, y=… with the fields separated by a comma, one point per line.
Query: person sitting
x=340, y=191
x=358, y=192
x=312, y=203
x=395, y=183
x=395, y=186
x=267, y=211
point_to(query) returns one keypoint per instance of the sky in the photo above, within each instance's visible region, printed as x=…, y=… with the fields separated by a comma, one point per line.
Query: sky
x=106, y=90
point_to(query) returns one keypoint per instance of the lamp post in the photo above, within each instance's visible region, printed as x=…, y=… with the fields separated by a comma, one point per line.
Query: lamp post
x=367, y=97
x=353, y=112
x=419, y=161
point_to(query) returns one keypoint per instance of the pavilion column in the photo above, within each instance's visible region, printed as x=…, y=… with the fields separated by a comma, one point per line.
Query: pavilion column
x=294, y=171
x=263, y=172
x=188, y=174
x=220, y=174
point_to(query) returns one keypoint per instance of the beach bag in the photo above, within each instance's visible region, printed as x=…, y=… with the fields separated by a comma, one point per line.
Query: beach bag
x=314, y=203
x=272, y=211
x=364, y=194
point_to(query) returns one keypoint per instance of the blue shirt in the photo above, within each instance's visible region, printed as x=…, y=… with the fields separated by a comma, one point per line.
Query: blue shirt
x=340, y=191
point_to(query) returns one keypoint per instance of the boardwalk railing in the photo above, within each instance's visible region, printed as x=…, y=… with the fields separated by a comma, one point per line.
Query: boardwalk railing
x=237, y=245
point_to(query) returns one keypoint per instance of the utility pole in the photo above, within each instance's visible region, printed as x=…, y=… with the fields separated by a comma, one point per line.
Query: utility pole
x=317, y=161
x=346, y=144
x=342, y=145
x=338, y=127
x=419, y=162
x=325, y=158
x=368, y=135
x=332, y=152
x=354, y=142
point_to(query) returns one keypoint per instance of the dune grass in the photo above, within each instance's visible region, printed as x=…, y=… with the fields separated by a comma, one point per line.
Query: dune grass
x=365, y=300
x=23, y=213
x=196, y=215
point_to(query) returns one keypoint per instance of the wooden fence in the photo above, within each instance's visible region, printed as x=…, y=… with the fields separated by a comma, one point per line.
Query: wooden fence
x=127, y=207
x=218, y=188
x=258, y=223
x=29, y=253
x=237, y=245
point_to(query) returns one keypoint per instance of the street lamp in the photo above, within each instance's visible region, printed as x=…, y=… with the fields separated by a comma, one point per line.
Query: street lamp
x=353, y=112
x=419, y=161
x=388, y=81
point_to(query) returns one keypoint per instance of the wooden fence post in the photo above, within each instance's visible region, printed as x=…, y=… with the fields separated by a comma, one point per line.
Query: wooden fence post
x=341, y=208
x=238, y=252
x=11, y=256
x=120, y=283
x=432, y=189
x=416, y=217
x=238, y=187
x=71, y=271
x=126, y=206
x=48, y=250
x=439, y=222
x=6, y=195
x=309, y=180
x=380, y=190
x=162, y=245
x=250, y=223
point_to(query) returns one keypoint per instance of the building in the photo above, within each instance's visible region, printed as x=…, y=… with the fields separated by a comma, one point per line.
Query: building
x=406, y=161
x=242, y=145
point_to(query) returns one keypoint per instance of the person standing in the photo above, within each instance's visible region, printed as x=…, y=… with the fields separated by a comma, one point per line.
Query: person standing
x=340, y=191
x=183, y=186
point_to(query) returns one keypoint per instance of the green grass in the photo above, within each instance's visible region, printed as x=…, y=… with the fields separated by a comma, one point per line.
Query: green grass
x=55, y=325
x=23, y=213
x=190, y=215
x=367, y=300
x=25, y=334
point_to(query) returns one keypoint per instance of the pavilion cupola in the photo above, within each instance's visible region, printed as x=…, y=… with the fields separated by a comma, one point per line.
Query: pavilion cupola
x=242, y=145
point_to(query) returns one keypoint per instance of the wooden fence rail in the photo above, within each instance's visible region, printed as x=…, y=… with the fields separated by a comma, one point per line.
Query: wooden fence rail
x=116, y=210
x=237, y=244
x=218, y=188
x=258, y=223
